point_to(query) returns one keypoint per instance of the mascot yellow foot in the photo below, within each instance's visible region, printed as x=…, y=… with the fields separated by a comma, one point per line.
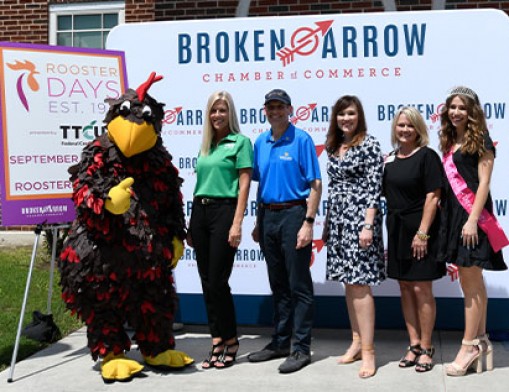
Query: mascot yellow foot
x=119, y=368
x=170, y=359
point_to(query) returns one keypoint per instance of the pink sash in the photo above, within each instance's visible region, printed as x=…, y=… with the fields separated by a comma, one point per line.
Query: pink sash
x=487, y=221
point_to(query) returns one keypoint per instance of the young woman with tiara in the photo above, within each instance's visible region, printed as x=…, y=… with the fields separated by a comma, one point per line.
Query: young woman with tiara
x=471, y=237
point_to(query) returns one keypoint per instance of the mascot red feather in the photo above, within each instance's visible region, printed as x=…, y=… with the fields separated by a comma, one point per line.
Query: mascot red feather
x=116, y=265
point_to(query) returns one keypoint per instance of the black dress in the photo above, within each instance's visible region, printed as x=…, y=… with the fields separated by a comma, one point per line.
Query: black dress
x=454, y=217
x=406, y=183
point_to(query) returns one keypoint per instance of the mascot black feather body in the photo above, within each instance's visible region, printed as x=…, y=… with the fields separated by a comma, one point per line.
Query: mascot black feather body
x=116, y=265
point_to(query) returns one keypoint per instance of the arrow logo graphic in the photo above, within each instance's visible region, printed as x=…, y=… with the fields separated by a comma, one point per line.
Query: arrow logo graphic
x=303, y=113
x=171, y=115
x=304, y=42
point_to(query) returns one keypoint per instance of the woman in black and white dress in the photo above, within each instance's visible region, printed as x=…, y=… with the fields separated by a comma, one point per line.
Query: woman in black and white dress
x=353, y=229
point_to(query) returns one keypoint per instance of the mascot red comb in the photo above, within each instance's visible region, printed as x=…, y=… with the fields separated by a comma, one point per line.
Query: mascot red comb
x=116, y=265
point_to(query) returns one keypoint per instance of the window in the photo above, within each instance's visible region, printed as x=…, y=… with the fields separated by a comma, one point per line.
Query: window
x=84, y=25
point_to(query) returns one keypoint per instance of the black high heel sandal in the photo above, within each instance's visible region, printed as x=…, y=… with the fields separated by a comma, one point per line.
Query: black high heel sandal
x=416, y=350
x=228, y=356
x=214, y=355
x=425, y=367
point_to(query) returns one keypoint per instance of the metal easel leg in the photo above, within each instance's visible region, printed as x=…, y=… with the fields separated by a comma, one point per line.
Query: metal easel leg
x=54, y=231
x=38, y=231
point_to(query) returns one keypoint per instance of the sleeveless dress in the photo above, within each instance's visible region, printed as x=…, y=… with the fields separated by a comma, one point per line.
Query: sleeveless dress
x=406, y=183
x=355, y=184
x=454, y=217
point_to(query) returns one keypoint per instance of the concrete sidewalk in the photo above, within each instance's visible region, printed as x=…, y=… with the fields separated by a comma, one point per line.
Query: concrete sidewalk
x=10, y=239
x=66, y=366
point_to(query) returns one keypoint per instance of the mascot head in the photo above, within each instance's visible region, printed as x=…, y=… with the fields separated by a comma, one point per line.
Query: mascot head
x=134, y=120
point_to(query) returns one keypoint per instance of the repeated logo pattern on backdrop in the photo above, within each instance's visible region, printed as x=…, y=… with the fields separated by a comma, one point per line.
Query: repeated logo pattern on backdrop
x=388, y=60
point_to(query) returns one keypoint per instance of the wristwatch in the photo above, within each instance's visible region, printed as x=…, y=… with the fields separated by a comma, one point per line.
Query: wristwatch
x=368, y=226
x=309, y=219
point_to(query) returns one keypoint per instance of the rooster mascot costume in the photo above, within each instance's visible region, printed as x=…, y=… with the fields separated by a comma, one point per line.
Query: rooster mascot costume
x=116, y=264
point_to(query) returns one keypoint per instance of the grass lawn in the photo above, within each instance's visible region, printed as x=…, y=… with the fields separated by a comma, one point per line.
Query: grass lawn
x=14, y=265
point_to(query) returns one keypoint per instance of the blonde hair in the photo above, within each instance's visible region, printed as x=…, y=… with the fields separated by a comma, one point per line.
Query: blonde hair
x=476, y=124
x=208, y=130
x=415, y=118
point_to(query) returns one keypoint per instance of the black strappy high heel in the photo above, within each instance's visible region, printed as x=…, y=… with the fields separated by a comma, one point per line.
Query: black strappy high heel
x=228, y=356
x=416, y=350
x=214, y=355
x=422, y=367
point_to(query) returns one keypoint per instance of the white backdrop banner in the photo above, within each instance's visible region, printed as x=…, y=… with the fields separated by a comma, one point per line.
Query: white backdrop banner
x=387, y=59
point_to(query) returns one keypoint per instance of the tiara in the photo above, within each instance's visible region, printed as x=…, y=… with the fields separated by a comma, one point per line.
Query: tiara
x=464, y=91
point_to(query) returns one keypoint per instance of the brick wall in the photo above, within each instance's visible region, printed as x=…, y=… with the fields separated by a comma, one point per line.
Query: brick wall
x=419, y=5
x=200, y=9
x=140, y=10
x=27, y=20
x=24, y=21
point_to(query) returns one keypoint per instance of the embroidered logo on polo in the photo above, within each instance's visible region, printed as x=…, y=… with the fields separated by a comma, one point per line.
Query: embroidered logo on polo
x=286, y=157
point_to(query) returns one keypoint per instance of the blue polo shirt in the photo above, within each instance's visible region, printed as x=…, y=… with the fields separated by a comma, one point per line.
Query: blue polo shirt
x=284, y=168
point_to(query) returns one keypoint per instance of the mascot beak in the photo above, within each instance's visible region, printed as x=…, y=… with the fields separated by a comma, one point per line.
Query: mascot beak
x=131, y=138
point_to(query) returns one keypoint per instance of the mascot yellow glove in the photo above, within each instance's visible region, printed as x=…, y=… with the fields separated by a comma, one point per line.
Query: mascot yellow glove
x=119, y=197
x=170, y=359
x=178, y=251
x=119, y=368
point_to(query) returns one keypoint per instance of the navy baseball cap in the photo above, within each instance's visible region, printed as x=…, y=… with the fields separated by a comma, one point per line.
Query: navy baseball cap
x=278, y=95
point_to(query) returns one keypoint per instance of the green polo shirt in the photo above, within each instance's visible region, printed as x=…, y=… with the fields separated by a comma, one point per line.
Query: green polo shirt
x=217, y=174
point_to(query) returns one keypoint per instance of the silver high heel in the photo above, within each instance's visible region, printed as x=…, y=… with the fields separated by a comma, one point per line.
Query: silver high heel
x=453, y=369
x=487, y=350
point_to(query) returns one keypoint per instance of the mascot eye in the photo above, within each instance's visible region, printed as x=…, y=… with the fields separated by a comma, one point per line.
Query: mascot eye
x=147, y=112
x=125, y=108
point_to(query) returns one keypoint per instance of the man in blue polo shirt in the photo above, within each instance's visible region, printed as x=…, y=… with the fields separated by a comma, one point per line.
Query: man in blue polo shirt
x=286, y=167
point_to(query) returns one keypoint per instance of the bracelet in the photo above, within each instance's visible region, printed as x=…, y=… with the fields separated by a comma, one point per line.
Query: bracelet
x=422, y=235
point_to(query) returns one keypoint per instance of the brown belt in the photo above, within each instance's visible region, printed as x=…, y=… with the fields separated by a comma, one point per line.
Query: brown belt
x=283, y=206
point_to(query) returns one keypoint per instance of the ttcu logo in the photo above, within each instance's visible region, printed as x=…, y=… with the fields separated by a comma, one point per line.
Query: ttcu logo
x=26, y=69
x=303, y=113
x=89, y=132
x=304, y=42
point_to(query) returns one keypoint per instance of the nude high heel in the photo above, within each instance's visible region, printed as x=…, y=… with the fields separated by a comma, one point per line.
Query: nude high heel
x=487, y=350
x=453, y=369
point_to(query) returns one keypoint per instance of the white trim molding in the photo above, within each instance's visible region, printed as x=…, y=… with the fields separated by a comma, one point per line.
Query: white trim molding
x=56, y=10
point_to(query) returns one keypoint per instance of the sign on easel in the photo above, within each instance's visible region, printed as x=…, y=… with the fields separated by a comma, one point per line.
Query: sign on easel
x=52, y=105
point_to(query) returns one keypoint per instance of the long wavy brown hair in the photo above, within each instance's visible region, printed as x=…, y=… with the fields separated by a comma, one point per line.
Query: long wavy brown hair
x=335, y=135
x=476, y=126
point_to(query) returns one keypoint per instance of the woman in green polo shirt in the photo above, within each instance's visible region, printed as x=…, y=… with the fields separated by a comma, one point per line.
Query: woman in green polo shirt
x=223, y=177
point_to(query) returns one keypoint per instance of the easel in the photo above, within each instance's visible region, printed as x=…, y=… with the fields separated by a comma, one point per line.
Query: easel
x=38, y=230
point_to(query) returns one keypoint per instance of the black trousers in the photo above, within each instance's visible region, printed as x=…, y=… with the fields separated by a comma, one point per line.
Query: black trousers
x=209, y=226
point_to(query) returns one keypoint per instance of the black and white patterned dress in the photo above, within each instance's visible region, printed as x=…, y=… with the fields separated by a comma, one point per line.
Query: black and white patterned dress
x=355, y=184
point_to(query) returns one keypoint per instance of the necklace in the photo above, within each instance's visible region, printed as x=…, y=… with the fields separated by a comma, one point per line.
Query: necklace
x=403, y=155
